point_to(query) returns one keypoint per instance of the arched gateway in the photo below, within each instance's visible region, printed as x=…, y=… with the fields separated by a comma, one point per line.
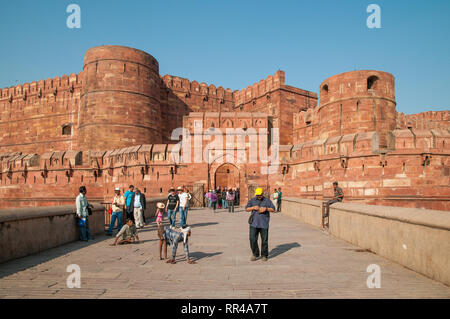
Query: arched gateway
x=227, y=175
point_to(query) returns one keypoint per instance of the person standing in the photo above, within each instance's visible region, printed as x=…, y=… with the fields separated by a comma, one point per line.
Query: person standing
x=159, y=214
x=237, y=197
x=184, y=197
x=117, y=211
x=260, y=208
x=208, y=197
x=137, y=208
x=213, y=198
x=337, y=198
x=280, y=194
x=274, y=197
x=230, y=200
x=128, y=195
x=172, y=206
x=224, y=198
x=219, y=197
x=188, y=205
x=82, y=205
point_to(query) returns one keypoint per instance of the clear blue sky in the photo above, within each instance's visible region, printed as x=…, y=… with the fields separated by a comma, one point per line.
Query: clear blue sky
x=236, y=43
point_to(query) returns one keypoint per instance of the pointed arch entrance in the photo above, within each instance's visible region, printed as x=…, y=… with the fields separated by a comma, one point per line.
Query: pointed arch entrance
x=227, y=175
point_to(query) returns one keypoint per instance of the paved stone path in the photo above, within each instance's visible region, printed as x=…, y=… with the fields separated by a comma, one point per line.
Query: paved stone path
x=304, y=262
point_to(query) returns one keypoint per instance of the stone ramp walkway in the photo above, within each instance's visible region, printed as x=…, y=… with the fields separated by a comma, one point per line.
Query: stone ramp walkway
x=304, y=262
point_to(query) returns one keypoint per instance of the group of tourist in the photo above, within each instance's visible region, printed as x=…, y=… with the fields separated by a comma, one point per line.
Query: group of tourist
x=133, y=203
x=223, y=198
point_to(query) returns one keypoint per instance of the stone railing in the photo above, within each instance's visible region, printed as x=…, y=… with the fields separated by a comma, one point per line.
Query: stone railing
x=418, y=239
x=26, y=231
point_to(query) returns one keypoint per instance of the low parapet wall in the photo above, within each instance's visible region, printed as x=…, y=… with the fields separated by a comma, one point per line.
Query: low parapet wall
x=27, y=231
x=418, y=239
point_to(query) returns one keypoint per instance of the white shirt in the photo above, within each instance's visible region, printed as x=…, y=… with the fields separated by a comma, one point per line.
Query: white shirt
x=183, y=199
x=137, y=201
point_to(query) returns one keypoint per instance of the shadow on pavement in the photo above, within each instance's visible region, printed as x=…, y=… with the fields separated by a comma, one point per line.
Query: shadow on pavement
x=13, y=266
x=200, y=255
x=282, y=249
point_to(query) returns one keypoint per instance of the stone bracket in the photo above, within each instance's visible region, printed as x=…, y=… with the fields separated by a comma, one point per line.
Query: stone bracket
x=383, y=161
x=344, y=161
x=426, y=159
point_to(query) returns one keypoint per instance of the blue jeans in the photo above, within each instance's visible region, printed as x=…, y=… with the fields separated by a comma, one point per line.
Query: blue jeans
x=172, y=214
x=224, y=203
x=183, y=215
x=85, y=234
x=114, y=216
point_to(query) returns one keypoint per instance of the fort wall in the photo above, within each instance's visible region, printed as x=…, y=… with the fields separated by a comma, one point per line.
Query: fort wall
x=110, y=126
x=40, y=115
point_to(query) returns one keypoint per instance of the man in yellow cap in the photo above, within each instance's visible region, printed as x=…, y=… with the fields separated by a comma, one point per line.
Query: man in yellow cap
x=260, y=208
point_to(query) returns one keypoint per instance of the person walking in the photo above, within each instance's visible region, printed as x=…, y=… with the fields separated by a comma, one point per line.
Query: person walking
x=117, y=208
x=137, y=208
x=280, y=194
x=237, y=198
x=83, y=207
x=172, y=206
x=230, y=200
x=128, y=195
x=260, y=208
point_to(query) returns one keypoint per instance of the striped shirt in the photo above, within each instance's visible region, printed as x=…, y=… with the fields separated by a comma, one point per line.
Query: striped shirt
x=173, y=237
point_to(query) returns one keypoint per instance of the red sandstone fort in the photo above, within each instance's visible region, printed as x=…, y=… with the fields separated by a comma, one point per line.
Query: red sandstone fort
x=111, y=124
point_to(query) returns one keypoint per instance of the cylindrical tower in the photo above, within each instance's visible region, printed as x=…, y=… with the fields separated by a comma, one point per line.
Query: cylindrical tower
x=119, y=104
x=357, y=101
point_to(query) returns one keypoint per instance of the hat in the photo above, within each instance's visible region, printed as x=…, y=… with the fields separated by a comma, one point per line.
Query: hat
x=117, y=189
x=180, y=188
x=258, y=191
x=160, y=205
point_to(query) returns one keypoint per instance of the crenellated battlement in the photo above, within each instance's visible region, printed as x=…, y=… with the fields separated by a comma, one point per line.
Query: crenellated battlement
x=185, y=88
x=424, y=120
x=259, y=89
x=52, y=86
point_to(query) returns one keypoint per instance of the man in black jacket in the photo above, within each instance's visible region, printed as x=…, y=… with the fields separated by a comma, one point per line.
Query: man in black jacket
x=137, y=208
